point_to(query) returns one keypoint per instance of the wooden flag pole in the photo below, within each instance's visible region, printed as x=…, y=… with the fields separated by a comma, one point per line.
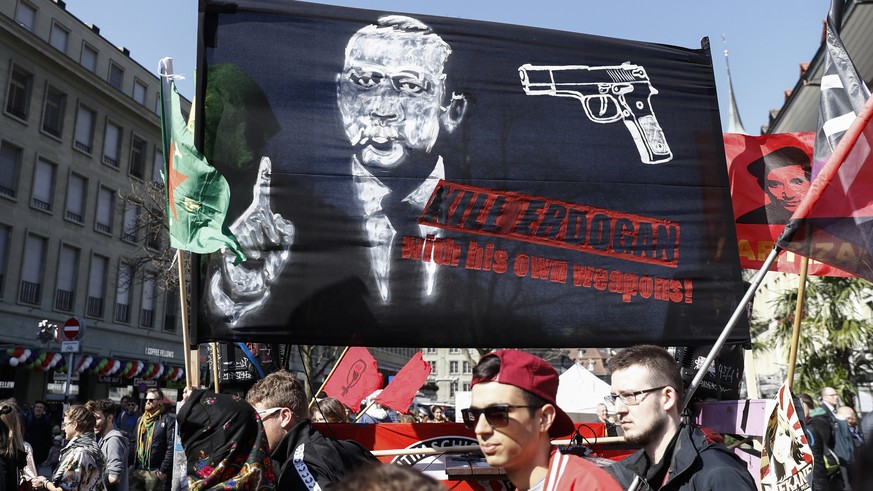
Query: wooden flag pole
x=215, y=368
x=798, y=313
x=338, y=360
x=363, y=411
x=183, y=299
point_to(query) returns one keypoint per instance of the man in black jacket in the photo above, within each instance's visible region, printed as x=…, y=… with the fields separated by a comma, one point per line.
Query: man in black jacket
x=647, y=392
x=153, y=446
x=302, y=457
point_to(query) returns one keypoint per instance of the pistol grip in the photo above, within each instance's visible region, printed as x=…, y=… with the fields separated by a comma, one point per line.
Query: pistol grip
x=647, y=133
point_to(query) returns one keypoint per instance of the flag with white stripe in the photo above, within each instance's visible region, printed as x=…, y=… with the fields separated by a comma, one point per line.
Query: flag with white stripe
x=843, y=91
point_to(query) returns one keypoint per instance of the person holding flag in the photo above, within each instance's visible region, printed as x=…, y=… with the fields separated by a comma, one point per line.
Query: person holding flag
x=301, y=455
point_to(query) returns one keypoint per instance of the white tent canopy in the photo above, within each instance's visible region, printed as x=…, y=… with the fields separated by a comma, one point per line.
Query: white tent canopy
x=580, y=391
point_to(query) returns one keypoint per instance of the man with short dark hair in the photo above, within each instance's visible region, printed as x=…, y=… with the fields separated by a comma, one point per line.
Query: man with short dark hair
x=302, y=456
x=515, y=392
x=38, y=431
x=128, y=417
x=113, y=444
x=153, y=446
x=647, y=393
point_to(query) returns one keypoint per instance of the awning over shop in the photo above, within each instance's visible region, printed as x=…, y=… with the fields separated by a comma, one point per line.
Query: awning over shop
x=45, y=360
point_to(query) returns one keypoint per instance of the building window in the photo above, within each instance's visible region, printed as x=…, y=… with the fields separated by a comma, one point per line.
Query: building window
x=59, y=37
x=158, y=166
x=18, y=93
x=68, y=271
x=131, y=212
x=96, y=286
x=139, y=92
x=26, y=15
x=5, y=234
x=10, y=162
x=105, y=204
x=43, y=185
x=76, y=192
x=430, y=351
x=112, y=144
x=434, y=365
x=122, y=293
x=53, y=112
x=138, y=157
x=454, y=351
x=453, y=368
x=32, y=270
x=153, y=241
x=453, y=387
x=116, y=75
x=466, y=387
x=147, y=312
x=467, y=368
x=84, y=129
x=171, y=308
x=89, y=58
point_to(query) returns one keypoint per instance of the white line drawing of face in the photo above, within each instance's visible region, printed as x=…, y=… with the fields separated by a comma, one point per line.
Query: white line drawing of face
x=391, y=90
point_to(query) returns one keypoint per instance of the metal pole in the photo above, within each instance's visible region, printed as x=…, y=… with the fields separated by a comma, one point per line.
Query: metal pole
x=756, y=281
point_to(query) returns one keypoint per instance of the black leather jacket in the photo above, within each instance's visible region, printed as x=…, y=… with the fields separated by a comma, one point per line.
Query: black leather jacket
x=696, y=464
x=305, y=456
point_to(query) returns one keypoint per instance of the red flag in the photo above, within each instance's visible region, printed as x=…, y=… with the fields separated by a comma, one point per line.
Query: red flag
x=834, y=222
x=402, y=389
x=769, y=176
x=355, y=377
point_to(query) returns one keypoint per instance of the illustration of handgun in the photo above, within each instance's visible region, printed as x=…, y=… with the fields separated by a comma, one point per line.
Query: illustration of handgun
x=607, y=93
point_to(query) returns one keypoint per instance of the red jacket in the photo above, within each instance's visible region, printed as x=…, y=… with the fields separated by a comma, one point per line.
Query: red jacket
x=573, y=473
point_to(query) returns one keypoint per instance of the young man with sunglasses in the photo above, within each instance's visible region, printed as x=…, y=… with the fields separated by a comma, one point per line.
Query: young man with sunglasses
x=303, y=458
x=647, y=394
x=515, y=392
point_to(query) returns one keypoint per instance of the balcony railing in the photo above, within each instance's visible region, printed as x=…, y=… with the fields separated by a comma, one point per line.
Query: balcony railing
x=5, y=191
x=110, y=161
x=75, y=217
x=42, y=205
x=82, y=146
x=146, y=318
x=63, y=300
x=102, y=227
x=122, y=312
x=29, y=292
x=95, y=307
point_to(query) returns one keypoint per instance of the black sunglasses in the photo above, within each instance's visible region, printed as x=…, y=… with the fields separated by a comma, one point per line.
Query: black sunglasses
x=496, y=415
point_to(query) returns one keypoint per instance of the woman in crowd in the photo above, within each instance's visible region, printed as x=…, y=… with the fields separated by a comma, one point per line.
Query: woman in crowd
x=81, y=462
x=328, y=410
x=13, y=456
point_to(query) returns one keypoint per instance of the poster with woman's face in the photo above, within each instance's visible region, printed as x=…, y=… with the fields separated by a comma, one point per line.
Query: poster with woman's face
x=786, y=460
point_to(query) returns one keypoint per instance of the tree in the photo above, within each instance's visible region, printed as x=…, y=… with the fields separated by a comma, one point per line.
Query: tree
x=836, y=332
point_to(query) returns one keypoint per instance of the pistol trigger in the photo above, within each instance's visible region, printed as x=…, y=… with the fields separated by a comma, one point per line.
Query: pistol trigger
x=603, y=106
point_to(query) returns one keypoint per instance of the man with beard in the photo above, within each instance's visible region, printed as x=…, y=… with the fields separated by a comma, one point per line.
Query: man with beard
x=515, y=392
x=153, y=446
x=113, y=444
x=647, y=393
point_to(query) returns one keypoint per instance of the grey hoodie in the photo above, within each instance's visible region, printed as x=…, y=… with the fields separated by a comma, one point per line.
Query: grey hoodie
x=114, y=446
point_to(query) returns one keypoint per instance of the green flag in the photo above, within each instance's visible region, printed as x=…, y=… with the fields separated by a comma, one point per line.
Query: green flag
x=197, y=194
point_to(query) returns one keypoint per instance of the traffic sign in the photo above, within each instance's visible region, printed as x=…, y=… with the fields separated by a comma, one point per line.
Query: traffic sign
x=70, y=347
x=73, y=328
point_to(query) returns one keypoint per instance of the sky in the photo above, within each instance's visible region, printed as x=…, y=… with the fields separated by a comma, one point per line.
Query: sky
x=767, y=40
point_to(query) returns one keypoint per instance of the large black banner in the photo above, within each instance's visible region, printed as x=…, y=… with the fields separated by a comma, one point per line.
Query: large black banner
x=406, y=180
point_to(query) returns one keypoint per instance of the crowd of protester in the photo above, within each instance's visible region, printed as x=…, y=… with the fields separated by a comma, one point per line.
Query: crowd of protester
x=266, y=441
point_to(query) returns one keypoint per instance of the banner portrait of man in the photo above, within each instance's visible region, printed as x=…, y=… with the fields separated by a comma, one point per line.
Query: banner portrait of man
x=392, y=178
